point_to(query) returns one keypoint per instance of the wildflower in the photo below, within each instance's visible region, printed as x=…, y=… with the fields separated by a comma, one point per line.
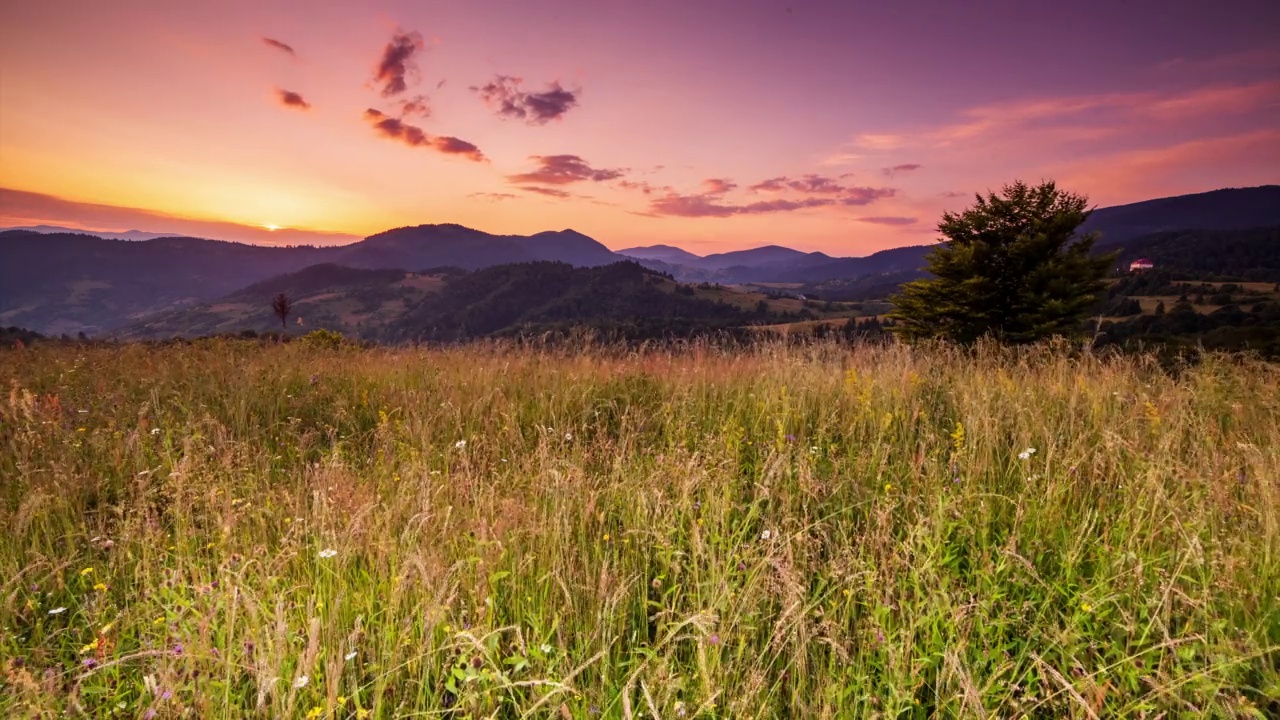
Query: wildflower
x=361, y=714
x=158, y=621
x=766, y=535
x=888, y=487
x=86, y=571
x=1026, y=454
x=606, y=537
x=300, y=682
x=155, y=431
x=57, y=611
x=177, y=649
x=957, y=437
x=1086, y=607
x=150, y=714
x=327, y=553
x=460, y=445
x=315, y=712
x=90, y=647
x=100, y=587
x=847, y=592
x=349, y=656
x=90, y=663
x=568, y=436
x=791, y=438
x=714, y=639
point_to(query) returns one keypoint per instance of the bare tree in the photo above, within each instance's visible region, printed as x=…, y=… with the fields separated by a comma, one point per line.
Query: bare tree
x=282, y=307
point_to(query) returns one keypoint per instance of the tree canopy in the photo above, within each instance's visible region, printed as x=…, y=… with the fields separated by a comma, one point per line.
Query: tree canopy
x=1012, y=267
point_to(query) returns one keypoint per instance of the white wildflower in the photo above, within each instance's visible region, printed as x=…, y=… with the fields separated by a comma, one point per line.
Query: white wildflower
x=461, y=444
x=568, y=436
x=766, y=535
x=327, y=553
x=349, y=656
x=301, y=681
x=57, y=611
x=1026, y=454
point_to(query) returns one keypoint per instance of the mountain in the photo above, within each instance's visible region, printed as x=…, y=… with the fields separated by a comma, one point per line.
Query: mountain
x=662, y=253
x=530, y=298
x=355, y=302
x=126, y=235
x=64, y=283
x=1226, y=209
x=58, y=283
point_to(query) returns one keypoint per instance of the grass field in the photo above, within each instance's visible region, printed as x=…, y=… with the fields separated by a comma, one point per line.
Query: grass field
x=237, y=530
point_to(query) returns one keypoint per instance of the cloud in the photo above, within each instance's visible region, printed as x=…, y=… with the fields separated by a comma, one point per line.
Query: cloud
x=693, y=206
x=823, y=186
x=904, y=168
x=291, y=99
x=718, y=186
x=1076, y=118
x=397, y=62
x=504, y=96
x=18, y=207
x=550, y=192
x=414, y=136
x=495, y=196
x=272, y=42
x=417, y=106
x=644, y=187
x=889, y=220
x=564, y=169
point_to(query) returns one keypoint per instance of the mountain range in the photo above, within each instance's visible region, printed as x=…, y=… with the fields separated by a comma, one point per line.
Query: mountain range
x=67, y=282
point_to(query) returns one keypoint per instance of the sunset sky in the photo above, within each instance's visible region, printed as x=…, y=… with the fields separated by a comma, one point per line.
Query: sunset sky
x=714, y=125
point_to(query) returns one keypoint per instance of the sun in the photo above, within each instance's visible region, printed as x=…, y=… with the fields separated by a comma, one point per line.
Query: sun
x=271, y=227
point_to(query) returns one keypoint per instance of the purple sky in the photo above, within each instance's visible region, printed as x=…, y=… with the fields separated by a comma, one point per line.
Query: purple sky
x=713, y=125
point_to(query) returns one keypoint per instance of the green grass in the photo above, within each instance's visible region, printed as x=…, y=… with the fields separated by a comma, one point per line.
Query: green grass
x=775, y=532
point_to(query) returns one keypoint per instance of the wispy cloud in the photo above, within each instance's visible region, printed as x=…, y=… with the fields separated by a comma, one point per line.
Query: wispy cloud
x=718, y=186
x=889, y=220
x=291, y=99
x=563, y=170
x=903, y=168
x=414, y=136
x=549, y=192
x=505, y=97
x=1078, y=118
x=397, y=62
x=284, y=47
x=495, y=196
x=696, y=206
x=416, y=106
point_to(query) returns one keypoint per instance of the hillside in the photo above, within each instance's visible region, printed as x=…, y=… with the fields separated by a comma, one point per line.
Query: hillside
x=624, y=299
x=59, y=283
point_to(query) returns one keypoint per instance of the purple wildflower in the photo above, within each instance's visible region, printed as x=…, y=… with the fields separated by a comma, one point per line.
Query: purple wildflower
x=714, y=639
x=177, y=649
x=149, y=714
x=791, y=438
x=90, y=662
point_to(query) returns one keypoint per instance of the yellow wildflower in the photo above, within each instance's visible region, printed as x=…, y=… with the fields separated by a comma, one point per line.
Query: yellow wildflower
x=342, y=700
x=315, y=712
x=86, y=571
x=100, y=587
x=90, y=647
x=361, y=714
x=888, y=487
x=957, y=437
x=606, y=537
x=1086, y=607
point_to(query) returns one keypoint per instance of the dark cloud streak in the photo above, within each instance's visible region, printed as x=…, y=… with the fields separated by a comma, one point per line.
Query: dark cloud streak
x=291, y=99
x=414, y=136
x=397, y=62
x=504, y=96
x=272, y=42
x=564, y=169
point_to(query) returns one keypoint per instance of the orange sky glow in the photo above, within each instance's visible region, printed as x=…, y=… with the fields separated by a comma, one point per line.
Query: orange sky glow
x=712, y=126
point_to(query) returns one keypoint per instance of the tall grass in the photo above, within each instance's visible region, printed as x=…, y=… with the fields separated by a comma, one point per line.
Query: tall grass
x=237, y=530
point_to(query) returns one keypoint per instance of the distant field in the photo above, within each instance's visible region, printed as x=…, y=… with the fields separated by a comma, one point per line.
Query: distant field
x=235, y=529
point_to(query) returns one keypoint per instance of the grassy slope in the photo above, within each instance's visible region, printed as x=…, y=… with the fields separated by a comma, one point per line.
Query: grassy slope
x=796, y=532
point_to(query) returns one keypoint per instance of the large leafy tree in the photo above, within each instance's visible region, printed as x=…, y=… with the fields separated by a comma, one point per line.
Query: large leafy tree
x=1012, y=267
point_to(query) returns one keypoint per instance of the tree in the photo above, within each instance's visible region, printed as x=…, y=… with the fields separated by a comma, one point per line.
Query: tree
x=1012, y=267
x=282, y=307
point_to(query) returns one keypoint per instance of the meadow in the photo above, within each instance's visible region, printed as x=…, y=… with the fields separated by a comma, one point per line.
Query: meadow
x=231, y=529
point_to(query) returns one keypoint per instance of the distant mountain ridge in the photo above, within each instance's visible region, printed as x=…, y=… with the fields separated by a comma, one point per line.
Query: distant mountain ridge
x=56, y=283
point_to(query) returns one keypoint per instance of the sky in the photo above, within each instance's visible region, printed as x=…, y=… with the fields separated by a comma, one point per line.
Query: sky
x=713, y=125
